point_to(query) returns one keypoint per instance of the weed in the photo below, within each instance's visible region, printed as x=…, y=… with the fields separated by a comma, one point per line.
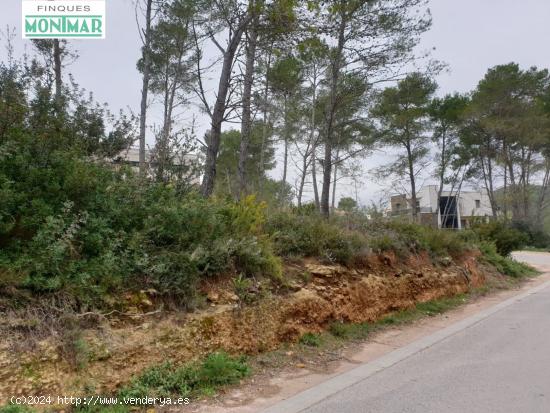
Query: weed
x=203, y=378
x=102, y=409
x=74, y=347
x=442, y=305
x=504, y=265
x=311, y=340
x=351, y=331
x=242, y=285
x=14, y=408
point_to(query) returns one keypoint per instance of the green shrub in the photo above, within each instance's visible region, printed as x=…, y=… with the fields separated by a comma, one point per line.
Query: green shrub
x=504, y=265
x=14, y=408
x=310, y=339
x=444, y=243
x=165, y=380
x=351, y=330
x=116, y=233
x=440, y=306
x=382, y=243
x=304, y=235
x=405, y=238
x=506, y=239
x=307, y=209
x=537, y=236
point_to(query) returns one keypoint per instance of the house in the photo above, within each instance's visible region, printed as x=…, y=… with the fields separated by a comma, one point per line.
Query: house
x=454, y=210
x=189, y=162
x=130, y=157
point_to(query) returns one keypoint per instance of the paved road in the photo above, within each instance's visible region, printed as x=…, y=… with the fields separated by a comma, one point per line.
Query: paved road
x=498, y=361
x=539, y=259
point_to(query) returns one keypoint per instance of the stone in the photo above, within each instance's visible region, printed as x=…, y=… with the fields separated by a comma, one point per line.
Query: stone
x=323, y=270
x=213, y=297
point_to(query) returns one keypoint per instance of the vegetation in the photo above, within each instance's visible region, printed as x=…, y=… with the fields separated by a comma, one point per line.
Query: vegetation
x=79, y=227
x=311, y=340
x=504, y=265
x=359, y=331
x=15, y=409
x=201, y=378
x=505, y=238
x=81, y=230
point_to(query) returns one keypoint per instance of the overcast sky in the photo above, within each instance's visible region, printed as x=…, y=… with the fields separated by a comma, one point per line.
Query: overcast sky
x=469, y=35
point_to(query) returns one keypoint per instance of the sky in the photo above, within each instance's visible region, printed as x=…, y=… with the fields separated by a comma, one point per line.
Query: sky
x=470, y=36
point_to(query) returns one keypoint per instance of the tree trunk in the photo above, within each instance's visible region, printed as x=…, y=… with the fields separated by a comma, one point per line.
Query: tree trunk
x=333, y=204
x=412, y=179
x=542, y=194
x=490, y=188
x=526, y=177
x=314, y=142
x=57, y=70
x=286, y=139
x=305, y=167
x=145, y=86
x=163, y=151
x=515, y=195
x=335, y=76
x=443, y=165
x=327, y=175
x=218, y=113
x=264, y=127
x=246, y=125
x=314, y=177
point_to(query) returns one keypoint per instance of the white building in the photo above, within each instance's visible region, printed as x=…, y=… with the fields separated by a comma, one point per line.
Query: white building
x=130, y=157
x=454, y=210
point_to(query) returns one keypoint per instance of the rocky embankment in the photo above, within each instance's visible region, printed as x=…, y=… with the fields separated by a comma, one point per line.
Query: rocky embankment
x=316, y=295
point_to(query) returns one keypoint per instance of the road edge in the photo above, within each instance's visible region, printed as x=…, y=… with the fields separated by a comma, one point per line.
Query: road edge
x=314, y=395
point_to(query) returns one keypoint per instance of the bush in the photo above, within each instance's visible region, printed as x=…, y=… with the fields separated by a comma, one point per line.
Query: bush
x=310, y=340
x=537, y=237
x=404, y=238
x=504, y=265
x=351, y=330
x=165, y=380
x=116, y=233
x=305, y=235
x=506, y=239
x=444, y=243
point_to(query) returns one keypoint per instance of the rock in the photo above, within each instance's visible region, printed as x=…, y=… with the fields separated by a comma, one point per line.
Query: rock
x=305, y=294
x=294, y=286
x=146, y=302
x=446, y=261
x=213, y=297
x=301, y=366
x=323, y=270
x=232, y=297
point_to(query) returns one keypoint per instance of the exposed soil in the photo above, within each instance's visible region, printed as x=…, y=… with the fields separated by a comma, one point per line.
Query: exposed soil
x=317, y=295
x=285, y=373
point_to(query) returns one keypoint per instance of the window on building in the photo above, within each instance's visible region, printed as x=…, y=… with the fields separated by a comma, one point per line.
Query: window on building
x=397, y=206
x=478, y=203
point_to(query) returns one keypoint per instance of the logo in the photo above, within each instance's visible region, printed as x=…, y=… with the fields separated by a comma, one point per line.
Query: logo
x=62, y=19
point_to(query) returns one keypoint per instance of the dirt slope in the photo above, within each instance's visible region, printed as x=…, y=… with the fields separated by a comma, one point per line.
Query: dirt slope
x=115, y=351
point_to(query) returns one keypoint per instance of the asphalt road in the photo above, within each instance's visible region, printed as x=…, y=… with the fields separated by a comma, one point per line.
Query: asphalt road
x=496, y=361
